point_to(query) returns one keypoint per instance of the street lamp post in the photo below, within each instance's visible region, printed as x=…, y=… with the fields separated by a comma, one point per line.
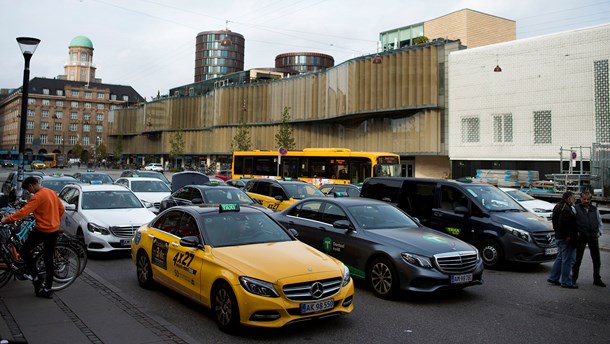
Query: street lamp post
x=28, y=46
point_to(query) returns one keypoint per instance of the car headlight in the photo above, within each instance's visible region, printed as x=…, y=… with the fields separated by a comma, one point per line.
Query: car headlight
x=258, y=287
x=519, y=233
x=539, y=210
x=346, y=276
x=93, y=228
x=417, y=260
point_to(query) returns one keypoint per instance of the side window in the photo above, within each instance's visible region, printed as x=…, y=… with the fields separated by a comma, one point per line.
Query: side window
x=452, y=198
x=182, y=193
x=122, y=182
x=333, y=213
x=187, y=227
x=169, y=222
x=418, y=199
x=309, y=210
x=276, y=190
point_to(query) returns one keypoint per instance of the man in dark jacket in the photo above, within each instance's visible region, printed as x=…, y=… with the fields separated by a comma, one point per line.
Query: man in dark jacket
x=588, y=222
x=566, y=235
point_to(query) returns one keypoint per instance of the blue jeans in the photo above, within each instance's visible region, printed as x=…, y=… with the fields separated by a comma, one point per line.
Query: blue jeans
x=562, y=267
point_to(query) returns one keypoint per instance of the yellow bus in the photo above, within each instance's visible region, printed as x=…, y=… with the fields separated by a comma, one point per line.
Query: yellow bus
x=316, y=165
x=53, y=160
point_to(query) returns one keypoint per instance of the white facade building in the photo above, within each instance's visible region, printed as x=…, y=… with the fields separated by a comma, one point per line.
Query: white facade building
x=552, y=92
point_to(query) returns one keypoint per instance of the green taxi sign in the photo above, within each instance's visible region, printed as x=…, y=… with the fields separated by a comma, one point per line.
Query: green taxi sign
x=228, y=207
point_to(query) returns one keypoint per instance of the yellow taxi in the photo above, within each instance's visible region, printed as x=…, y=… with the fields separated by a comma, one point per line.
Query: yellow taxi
x=280, y=194
x=37, y=164
x=241, y=264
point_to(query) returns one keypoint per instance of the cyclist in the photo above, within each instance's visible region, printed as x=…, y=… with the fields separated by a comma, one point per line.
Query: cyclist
x=47, y=210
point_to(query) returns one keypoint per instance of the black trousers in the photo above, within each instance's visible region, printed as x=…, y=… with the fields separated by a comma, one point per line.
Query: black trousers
x=595, y=257
x=48, y=240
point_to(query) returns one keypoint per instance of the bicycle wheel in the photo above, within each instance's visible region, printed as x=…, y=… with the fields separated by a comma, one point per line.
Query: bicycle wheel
x=78, y=246
x=5, y=272
x=66, y=265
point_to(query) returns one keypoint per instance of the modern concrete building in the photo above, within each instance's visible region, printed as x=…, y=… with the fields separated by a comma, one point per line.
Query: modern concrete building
x=472, y=28
x=550, y=97
x=304, y=62
x=218, y=53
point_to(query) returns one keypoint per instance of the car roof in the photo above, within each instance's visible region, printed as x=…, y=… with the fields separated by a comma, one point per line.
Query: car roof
x=209, y=187
x=100, y=187
x=52, y=177
x=145, y=179
x=214, y=208
x=346, y=201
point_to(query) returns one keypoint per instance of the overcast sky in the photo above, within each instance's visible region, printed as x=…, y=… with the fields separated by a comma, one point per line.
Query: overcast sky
x=150, y=44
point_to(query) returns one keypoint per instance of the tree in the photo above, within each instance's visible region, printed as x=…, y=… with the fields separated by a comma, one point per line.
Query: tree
x=77, y=151
x=176, y=141
x=118, y=148
x=242, y=140
x=285, y=137
x=101, y=152
x=420, y=40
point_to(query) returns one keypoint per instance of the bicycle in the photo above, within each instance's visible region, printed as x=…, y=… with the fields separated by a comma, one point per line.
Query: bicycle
x=67, y=262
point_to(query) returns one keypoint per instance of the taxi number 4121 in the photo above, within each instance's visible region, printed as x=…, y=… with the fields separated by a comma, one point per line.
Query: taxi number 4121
x=183, y=258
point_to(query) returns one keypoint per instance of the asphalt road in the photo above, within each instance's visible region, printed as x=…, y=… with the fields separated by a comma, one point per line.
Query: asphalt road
x=514, y=305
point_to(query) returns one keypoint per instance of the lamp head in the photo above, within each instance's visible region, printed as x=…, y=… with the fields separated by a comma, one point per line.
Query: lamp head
x=28, y=45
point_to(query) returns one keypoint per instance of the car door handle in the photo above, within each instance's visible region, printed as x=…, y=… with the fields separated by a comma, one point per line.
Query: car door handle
x=322, y=229
x=175, y=244
x=151, y=236
x=437, y=213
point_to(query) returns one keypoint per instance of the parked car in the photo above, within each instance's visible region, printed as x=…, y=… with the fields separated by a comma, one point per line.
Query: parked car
x=103, y=216
x=154, y=167
x=202, y=194
x=93, y=177
x=224, y=174
x=147, y=189
x=10, y=184
x=7, y=164
x=383, y=245
x=279, y=194
x=242, y=265
x=238, y=182
x=479, y=214
x=539, y=207
x=56, y=182
x=147, y=174
x=349, y=190
x=38, y=164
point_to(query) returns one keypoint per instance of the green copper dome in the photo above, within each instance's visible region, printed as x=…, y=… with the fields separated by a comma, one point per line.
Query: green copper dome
x=81, y=41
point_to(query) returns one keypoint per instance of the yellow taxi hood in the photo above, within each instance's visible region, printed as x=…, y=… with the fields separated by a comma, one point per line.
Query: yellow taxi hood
x=275, y=261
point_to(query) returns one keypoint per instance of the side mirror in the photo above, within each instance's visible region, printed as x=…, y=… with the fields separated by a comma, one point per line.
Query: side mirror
x=197, y=201
x=343, y=224
x=190, y=241
x=71, y=207
x=293, y=232
x=279, y=198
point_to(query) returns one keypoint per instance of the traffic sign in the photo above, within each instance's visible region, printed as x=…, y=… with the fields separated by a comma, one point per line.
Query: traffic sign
x=574, y=155
x=283, y=151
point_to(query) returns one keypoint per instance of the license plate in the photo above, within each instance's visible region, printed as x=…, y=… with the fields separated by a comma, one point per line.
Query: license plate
x=552, y=250
x=125, y=242
x=459, y=279
x=316, y=307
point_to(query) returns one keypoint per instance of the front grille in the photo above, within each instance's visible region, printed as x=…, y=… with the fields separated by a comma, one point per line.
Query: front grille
x=157, y=204
x=123, y=231
x=303, y=291
x=544, y=239
x=456, y=262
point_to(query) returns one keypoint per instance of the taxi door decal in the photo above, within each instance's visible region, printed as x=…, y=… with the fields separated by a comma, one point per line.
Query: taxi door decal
x=159, y=253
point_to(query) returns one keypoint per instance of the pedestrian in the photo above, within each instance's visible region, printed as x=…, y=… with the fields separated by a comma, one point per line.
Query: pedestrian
x=47, y=210
x=566, y=235
x=589, y=224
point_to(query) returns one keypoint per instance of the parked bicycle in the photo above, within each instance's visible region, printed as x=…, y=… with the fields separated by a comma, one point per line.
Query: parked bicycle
x=69, y=256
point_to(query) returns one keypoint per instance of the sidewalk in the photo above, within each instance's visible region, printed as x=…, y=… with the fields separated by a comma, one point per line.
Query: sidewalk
x=88, y=311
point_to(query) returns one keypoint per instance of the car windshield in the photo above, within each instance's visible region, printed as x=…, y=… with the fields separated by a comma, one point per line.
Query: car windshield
x=57, y=185
x=226, y=195
x=380, y=216
x=151, y=174
x=234, y=229
x=110, y=200
x=493, y=198
x=149, y=186
x=87, y=178
x=302, y=190
x=519, y=196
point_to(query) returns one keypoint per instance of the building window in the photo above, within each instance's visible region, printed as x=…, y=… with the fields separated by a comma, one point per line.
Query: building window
x=113, y=97
x=85, y=140
x=57, y=126
x=75, y=93
x=29, y=125
x=73, y=127
x=100, y=96
x=44, y=114
x=44, y=125
x=99, y=128
x=100, y=106
x=99, y=117
x=57, y=139
x=72, y=139
x=31, y=113
x=59, y=114
x=59, y=102
x=45, y=91
x=44, y=139
x=87, y=105
x=74, y=104
x=83, y=57
x=29, y=138
x=86, y=128
x=60, y=92
x=88, y=94
x=46, y=102
x=125, y=98
x=31, y=101
x=503, y=128
x=542, y=127
x=470, y=129
x=73, y=115
x=86, y=116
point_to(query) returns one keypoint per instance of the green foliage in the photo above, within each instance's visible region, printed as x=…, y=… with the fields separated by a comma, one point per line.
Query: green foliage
x=285, y=136
x=176, y=142
x=420, y=40
x=77, y=151
x=242, y=140
x=101, y=151
x=118, y=148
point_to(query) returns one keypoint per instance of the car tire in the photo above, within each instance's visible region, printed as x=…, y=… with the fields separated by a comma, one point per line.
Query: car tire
x=382, y=278
x=225, y=308
x=491, y=253
x=144, y=271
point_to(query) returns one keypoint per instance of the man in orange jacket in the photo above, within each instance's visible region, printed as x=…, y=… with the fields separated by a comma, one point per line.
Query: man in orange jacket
x=47, y=210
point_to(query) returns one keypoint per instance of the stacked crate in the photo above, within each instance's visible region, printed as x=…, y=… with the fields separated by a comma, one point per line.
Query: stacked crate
x=507, y=178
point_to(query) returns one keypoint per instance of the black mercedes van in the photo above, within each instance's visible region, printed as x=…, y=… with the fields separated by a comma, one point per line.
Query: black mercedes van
x=480, y=214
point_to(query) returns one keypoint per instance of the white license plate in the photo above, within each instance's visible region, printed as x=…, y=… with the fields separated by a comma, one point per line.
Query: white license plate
x=316, y=307
x=125, y=242
x=458, y=279
x=552, y=250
